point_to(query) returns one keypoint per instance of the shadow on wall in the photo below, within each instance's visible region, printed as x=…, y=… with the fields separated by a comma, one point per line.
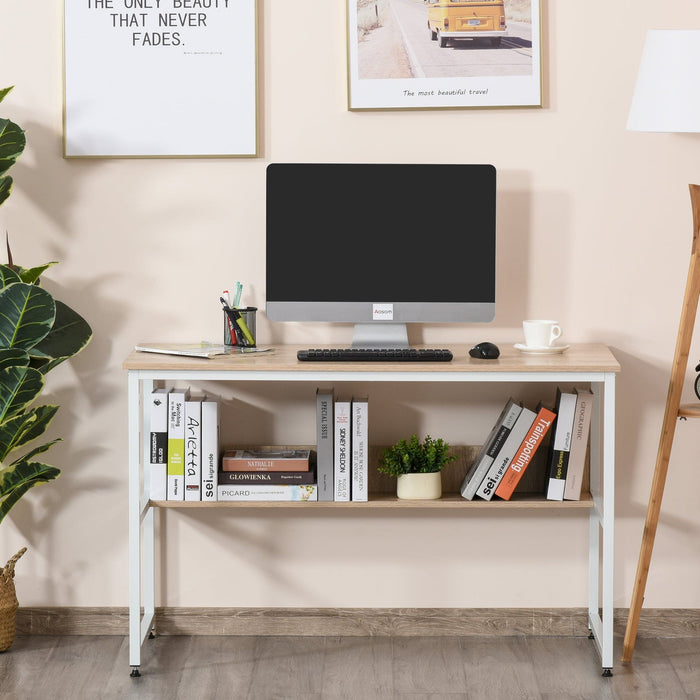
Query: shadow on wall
x=526, y=260
x=52, y=184
x=40, y=175
x=641, y=387
x=519, y=248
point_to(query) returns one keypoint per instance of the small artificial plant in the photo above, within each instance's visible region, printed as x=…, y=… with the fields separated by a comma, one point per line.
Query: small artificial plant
x=37, y=332
x=415, y=457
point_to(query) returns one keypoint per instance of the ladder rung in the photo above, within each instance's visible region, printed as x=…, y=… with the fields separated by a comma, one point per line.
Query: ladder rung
x=689, y=410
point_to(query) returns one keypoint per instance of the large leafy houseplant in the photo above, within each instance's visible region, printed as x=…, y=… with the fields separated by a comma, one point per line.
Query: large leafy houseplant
x=12, y=142
x=37, y=332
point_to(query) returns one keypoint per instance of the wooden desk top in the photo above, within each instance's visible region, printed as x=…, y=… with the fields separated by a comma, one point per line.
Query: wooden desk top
x=583, y=357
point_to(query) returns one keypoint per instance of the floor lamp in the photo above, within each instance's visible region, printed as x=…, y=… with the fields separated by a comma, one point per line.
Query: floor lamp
x=667, y=99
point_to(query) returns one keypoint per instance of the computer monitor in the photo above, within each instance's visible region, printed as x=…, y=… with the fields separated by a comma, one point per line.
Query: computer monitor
x=381, y=245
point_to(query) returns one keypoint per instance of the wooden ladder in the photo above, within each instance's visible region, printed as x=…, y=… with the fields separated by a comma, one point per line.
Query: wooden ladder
x=673, y=412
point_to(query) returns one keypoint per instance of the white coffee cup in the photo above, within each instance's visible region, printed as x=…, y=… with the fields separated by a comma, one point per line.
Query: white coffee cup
x=541, y=333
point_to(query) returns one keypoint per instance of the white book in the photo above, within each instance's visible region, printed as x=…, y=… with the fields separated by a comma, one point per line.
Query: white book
x=360, y=449
x=268, y=492
x=324, y=443
x=158, y=431
x=490, y=449
x=176, y=444
x=579, y=445
x=342, y=449
x=202, y=349
x=193, y=449
x=505, y=455
x=561, y=445
x=210, y=449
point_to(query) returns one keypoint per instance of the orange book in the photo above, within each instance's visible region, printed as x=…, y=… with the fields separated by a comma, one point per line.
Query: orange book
x=522, y=458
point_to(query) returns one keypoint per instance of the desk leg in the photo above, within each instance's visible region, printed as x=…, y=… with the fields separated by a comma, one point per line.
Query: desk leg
x=602, y=521
x=134, y=410
x=148, y=535
x=141, y=550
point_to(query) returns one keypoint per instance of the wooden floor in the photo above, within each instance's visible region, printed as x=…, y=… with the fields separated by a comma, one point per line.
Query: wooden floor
x=360, y=668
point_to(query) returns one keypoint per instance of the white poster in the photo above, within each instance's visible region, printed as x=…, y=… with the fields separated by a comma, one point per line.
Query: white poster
x=160, y=78
x=422, y=54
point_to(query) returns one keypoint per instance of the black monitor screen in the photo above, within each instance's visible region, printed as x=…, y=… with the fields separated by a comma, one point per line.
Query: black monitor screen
x=378, y=233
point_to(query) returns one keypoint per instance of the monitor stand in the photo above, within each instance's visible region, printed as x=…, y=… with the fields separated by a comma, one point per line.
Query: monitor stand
x=380, y=335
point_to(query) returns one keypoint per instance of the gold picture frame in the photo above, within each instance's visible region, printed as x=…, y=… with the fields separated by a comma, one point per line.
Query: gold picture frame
x=441, y=54
x=151, y=81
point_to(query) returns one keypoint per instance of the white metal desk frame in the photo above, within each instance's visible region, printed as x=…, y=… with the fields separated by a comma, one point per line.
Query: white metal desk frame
x=602, y=482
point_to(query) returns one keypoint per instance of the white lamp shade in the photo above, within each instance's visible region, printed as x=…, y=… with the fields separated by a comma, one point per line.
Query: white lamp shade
x=667, y=95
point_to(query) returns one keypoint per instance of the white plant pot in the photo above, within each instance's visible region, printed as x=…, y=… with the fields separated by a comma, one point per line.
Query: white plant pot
x=419, y=486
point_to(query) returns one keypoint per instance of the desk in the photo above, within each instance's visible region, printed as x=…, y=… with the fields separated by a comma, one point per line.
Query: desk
x=584, y=364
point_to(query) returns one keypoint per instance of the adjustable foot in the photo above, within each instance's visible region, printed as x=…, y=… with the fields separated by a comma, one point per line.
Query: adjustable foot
x=591, y=635
x=151, y=635
x=135, y=673
x=607, y=673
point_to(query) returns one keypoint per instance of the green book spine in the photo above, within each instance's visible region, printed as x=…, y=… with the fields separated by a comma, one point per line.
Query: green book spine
x=176, y=444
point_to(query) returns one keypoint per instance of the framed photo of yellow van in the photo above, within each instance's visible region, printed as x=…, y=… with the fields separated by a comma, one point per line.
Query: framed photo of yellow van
x=425, y=54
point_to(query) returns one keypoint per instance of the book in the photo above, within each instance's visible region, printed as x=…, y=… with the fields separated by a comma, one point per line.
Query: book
x=493, y=443
x=247, y=478
x=159, y=444
x=268, y=459
x=500, y=463
x=561, y=444
x=229, y=478
x=176, y=444
x=523, y=457
x=202, y=349
x=193, y=449
x=210, y=449
x=341, y=451
x=324, y=443
x=268, y=492
x=579, y=444
x=359, y=469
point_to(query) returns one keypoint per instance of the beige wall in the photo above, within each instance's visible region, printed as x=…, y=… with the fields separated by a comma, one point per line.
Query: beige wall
x=594, y=229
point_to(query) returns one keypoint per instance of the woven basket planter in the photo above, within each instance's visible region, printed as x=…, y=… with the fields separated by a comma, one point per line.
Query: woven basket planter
x=8, y=602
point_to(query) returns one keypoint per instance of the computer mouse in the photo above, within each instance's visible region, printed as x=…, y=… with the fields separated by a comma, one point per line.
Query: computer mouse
x=485, y=351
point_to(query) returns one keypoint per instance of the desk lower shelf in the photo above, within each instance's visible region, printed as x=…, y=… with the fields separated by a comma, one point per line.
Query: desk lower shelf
x=385, y=500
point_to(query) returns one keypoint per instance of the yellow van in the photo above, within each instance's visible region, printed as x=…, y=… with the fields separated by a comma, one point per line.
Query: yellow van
x=466, y=19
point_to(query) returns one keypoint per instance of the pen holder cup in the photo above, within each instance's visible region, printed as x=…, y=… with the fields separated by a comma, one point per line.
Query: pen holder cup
x=234, y=333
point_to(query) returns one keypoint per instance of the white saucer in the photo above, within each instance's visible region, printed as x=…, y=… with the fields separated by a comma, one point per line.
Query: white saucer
x=540, y=350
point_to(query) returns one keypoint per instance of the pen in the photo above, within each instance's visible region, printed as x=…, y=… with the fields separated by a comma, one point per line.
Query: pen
x=243, y=326
x=238, y=288
x=233, y=335
x=231, y=329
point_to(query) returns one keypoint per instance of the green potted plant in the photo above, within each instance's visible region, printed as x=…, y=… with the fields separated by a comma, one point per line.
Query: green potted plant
x=417, y=466
x=37, y=333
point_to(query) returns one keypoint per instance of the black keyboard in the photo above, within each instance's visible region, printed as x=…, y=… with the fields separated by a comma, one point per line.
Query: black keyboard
x=374, y=355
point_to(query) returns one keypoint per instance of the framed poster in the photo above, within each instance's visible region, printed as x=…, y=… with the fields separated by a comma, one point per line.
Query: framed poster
x=422, y=54
x=160, y=78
